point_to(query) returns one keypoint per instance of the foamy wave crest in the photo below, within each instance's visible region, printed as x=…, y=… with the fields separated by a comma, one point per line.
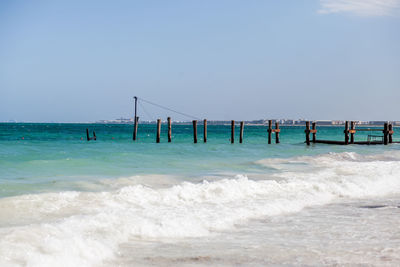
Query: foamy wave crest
x=83, y=228
x=329, y=159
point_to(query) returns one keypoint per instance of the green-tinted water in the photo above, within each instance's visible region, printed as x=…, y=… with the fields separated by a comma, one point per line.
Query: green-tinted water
x=51, y=157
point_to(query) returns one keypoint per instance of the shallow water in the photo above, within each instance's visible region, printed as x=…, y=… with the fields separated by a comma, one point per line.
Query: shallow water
x=67, y=201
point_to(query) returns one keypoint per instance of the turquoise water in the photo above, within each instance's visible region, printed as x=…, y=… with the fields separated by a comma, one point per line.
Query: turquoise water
x=51, y=157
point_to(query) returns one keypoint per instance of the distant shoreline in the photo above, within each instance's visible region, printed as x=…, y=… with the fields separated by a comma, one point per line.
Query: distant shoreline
x=210, y=123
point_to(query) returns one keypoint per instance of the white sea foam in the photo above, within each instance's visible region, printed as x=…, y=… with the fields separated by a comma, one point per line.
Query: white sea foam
x=85, y=228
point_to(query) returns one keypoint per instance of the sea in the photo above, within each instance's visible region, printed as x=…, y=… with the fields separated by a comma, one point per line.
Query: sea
x=66, y=201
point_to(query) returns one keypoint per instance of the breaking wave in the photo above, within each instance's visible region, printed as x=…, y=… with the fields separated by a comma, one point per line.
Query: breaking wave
x=84, y=228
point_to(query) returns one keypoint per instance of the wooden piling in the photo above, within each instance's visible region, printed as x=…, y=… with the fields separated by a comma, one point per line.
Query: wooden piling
x=390, y=133
x=307, y=131
x=169, y=129
x=269, y=131
x=87, y=134
x=314, y=132
x=277, y=133
x=195, y=131
x=352, y=128
x=205, y=131
x=232, y=131
x=385, y=133
x=136, y=120
x=241, y=132
x=346, y=133
x=94, y=136
x=158, y=130
x=135, y=127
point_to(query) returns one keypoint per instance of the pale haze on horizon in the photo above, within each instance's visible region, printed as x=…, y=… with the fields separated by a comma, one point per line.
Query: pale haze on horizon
x=77, y=61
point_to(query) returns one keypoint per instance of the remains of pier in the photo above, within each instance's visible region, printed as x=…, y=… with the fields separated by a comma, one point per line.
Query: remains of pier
x=384, y=139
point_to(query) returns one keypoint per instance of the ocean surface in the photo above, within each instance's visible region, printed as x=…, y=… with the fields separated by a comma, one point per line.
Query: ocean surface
x=114, y=202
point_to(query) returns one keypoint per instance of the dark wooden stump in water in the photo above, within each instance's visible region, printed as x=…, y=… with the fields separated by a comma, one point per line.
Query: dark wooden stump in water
x=352, y=128
x=158, y=130
x=169, y=129
x=390, y=133
x=385, y=133
x=195, y=131
x=205, y=131
x=269, y=131
x=241, y=132
x=232, y=131
x=314, y=132
x=277, y=130
x=307, y=131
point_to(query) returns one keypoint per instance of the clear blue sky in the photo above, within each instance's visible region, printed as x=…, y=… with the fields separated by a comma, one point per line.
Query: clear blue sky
x=76, y=61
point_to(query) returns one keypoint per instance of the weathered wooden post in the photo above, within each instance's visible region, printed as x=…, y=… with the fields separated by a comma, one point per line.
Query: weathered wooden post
x=385, y=133
x=94, y=136
x=314, y=132
x=277, y=132
x=136, y=121
x=307, y=131
x=352, y=131
x=135, y=127
x=390, y=133
x=158, y=130
x=232, y=131
x=269, y=131
x=87, y=134
x=195, y=131
x=241, y=132
x=346, y=133
x=205, y=131
x=169, y=129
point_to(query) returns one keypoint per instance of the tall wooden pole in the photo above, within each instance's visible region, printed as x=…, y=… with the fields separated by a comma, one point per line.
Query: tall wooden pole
x=307, y=132
x=205, y=131
x=277, y=133
x=195, y=131
x=158, y=130
x=232, y=131
x=169, y=129
x=346, y=133
x=390, y=133
x=241, y=132
x=87, y=134
x=269, y=131
x=136, y=121
x=135, y=128
x=314, y=134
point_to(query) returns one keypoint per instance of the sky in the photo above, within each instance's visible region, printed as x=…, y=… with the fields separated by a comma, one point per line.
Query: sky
x=83, y=61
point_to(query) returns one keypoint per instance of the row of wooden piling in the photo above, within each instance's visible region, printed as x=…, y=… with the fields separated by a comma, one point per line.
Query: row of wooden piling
x=349, y=133
x=194, y=123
